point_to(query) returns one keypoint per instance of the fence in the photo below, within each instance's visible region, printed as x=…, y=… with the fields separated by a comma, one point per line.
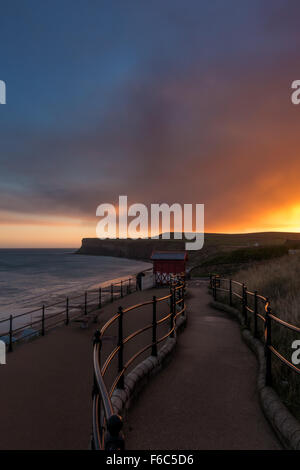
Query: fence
x=255, y=309
x=36, y=322
x=107, y=425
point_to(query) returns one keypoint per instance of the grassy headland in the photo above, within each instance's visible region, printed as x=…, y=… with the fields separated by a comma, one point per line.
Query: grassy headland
x=228, y=253
x=223, y=253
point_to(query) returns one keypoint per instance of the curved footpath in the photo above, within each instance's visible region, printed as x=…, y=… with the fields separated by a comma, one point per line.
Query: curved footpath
x=206, y=397
x=46, y=385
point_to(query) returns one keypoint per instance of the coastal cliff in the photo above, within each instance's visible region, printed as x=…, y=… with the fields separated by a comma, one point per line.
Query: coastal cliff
x=136, y=249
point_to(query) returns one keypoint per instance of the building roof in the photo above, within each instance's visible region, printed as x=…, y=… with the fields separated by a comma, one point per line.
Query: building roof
x=169, y=255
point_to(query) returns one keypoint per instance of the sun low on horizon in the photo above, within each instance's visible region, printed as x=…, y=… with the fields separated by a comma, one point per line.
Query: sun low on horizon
x=62, y=233
x=177, y=113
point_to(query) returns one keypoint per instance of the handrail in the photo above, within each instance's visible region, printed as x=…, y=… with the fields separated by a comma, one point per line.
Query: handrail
x=284, y=323
x=283, y=359
x=109, y=359
x=159, y=299
x=108, y=323
x=165, y=318
x=89, y=304
x=215, y=284
x=129, y=309
x=137, y=332
x=100, y=388
x=104, y=435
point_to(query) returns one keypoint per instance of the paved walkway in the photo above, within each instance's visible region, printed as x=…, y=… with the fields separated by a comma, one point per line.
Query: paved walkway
x=46, y=385
x=206, y=398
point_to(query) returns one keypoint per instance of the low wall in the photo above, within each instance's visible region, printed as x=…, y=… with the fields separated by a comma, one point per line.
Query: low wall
x=136, y=380
x=148, y=281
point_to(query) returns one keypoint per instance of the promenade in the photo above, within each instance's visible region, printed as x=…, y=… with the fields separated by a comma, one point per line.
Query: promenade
x=46, y=385
x=204, y=399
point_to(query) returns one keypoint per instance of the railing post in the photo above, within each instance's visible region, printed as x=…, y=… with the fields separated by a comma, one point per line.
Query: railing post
x=97, y=340
x=268, y=343
x=242, y=301
x=244, y=304
x=100, y=298
x=85, y=303
x=154, y=327
x=172, y=310
x=255, y=315
x=174, y=305
x=95, y=390
x=129, y=286
x=121, y=346
x=215, y=287
x=182, y=299
x=121, y=288
x=43, y=321
x=210, y=280
x=10, y=346
x=230, y=292
x=67, y=311
x=111, y=292
x=171, y=306
x=114, y=439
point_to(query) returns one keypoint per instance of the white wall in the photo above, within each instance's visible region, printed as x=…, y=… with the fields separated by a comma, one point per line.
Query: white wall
x=148, y=281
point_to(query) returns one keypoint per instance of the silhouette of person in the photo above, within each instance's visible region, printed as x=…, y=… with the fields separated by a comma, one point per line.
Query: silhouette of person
x=139, y=280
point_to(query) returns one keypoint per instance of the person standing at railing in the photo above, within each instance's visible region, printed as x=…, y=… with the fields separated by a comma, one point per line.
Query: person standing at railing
x=139, y=277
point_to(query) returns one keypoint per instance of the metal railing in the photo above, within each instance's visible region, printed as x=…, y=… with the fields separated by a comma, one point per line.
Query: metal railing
x=36, y=322
x=256, y=307
x=107, y=425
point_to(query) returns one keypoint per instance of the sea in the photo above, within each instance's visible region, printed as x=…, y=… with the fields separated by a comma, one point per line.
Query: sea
x=31, y=277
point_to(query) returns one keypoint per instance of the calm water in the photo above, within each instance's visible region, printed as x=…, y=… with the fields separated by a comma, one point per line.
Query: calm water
x=30, y=277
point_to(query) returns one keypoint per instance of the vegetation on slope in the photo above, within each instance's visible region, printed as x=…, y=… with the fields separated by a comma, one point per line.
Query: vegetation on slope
x=279, y=280
x=228, y=262
x=245, y=255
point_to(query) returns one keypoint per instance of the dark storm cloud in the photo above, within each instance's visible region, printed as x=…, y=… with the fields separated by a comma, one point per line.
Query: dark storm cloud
x=191, y=104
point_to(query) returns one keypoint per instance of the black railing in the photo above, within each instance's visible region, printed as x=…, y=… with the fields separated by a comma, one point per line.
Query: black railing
x=106, y=425
x=255, y=308
x=36, y=322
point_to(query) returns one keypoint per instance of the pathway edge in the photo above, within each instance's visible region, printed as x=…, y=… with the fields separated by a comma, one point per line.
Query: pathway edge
x=285, y=425
x=138, y=378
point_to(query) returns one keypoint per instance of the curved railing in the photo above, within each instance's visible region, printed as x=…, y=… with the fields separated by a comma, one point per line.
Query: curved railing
x=257, y=307
x=106, y=425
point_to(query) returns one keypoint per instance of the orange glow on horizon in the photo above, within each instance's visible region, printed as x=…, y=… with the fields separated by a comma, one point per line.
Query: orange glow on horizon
x=36, y=232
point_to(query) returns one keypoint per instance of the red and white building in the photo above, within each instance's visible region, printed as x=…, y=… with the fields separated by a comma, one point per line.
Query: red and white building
x=168, y=263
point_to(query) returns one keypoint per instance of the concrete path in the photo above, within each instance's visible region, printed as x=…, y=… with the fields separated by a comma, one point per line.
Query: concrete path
x=206, y=398
x=46, y=385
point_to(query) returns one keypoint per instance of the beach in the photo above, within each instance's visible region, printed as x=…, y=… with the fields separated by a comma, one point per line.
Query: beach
x=30, y=278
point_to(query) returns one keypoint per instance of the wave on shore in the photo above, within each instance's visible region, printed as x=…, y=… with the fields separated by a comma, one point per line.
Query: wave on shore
x=29, y=278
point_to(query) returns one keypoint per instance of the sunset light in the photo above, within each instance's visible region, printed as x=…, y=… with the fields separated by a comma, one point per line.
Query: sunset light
x=150, y=230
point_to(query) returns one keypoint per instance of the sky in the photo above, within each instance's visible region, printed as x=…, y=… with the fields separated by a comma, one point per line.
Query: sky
x=174, y=101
